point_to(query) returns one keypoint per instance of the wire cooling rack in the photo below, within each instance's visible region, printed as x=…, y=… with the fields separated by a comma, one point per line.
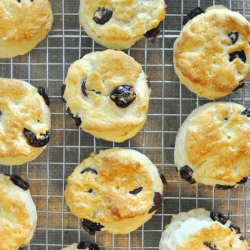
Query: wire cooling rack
x=170, y=103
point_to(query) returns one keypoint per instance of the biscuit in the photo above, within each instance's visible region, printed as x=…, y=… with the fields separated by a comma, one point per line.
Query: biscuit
x=24, y=121
x=18, y=215
x=82, y=245
x=117, y=190
x=24, y=24
x=199, y=229
x=212, y=145
x=119, y=24
x=212, y=52
x=107, y=94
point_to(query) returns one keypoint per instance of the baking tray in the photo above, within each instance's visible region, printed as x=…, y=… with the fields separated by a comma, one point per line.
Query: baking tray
x=170, y=104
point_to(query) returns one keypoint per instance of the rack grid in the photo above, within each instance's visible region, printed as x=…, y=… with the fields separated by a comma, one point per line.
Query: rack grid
x=170, y=103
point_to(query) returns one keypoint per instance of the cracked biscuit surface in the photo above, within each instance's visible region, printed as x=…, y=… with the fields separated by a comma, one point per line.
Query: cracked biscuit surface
x=198, y=229
x=119, y=24
x=107, y=94
x=212, y=53
x=116, y=190
x=24, y=121
x=23, y=24
x=212, y=145
x=18, y=217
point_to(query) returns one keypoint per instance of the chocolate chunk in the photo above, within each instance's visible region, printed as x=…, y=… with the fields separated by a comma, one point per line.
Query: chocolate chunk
x=83, y=88
x=136, y=191
x=19, y=182
x=157, y=202
x=246, y=112
x=33, y=141
x=91, y=227
x=76, y=119
x=218, y=217
x=210, y=245
x=238, y=54
x=244, y=180
x=123, y=95
x=63, y=87
x=186, y=174
x=87, y=245
x=163, y=179
x=233, y=37
x=223, y=187
x=89, y=170
x=193, y=13
x=102, y=16
x=41, y=91
x=153, y=32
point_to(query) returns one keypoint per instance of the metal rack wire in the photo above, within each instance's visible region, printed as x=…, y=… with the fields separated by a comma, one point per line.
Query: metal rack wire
x=170, y=103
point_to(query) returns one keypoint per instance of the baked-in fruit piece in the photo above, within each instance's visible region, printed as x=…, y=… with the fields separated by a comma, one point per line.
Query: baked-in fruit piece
x=24, y=121
x=199, y=229
x=23, y=24
x=117, y=190
x=212, y=53
x=18, y=217
x=119, y=24
x=107, y=94
x=212, y=145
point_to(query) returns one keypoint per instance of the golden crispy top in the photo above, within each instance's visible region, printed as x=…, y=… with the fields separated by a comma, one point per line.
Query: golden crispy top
x=21, y=107
x=216, y=236
x=208, y=50
x=217, y=143
x=130, y=18
x=101, y=73
x=117, y=184
x=16, y=225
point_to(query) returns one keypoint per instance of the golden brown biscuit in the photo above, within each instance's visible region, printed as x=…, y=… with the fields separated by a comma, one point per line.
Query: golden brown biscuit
x=24, y=121
x=212, y=145
x=198, y=229
x=82, y=245
x=107, y=94
x=212, y=52
x=119, y=24
x=116, y=190
x=18, y=215
x=23, y=24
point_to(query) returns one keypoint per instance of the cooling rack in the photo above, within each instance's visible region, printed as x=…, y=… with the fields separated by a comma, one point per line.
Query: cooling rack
x=170, y=104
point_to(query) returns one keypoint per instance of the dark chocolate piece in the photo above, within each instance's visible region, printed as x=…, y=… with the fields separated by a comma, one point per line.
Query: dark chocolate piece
x=193, y=13
x=157, y=202
x=83, y=88
x=91, y=227
x=136, y=191
x=218, y=217
x=238, y=54
x=123, y=95
x=210, y=245
x=87, y=245
x=186, y=174
x=102, y=16
x=246, y=112
x=63, y=87
x=163, y=179
x=42, y=92
x=76, y=119
x=233, y=37
x=19, y=182
x=33, y=141
x=89, y=170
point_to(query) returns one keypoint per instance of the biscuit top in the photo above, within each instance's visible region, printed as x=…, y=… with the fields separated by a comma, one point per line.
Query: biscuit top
x=89, y=84
x=18, y=215
x=195, y=229
x=21, y=107
x=212, y=52
x=214, y=142
x=129, y=18
x=113, y=185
